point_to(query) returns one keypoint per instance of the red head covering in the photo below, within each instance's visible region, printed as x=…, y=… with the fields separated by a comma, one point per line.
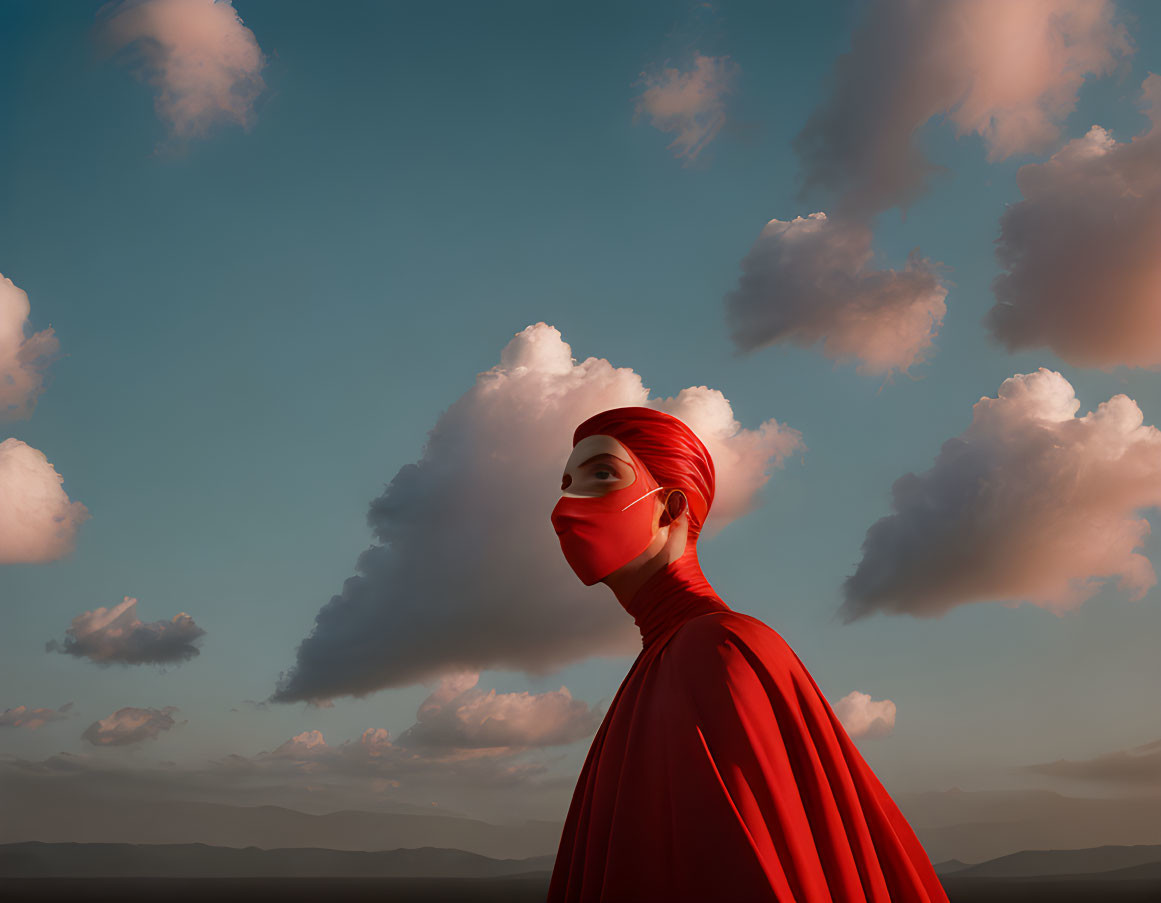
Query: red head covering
x=676, y=458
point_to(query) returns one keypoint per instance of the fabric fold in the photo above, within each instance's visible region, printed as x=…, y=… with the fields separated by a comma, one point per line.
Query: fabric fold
x=720, y=772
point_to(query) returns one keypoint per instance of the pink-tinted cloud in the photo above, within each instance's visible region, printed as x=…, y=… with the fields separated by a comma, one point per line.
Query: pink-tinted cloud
x=1138, y=767
x=810, y=280
x=690, y=105
x=468, y=573
x=23, y=716
x=116, y=635
x=203, y=61
x=458, y=715
x=864, y=718
x=1007, y=71
x=24, y=357
x=38, y=523
x=1082, y=251
x=459, y=729
x=130, y=725
x=1030, y=503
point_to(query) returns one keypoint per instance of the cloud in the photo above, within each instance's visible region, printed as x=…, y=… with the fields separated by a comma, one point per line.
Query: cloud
x=690, y=104
x=461, y=734
x=809, y=280
x=467, y=573
x=38, y=523
x=1006, y=71
x=1139, y=767
x=1030, y=503
x=1082, y=251
x=203, y=61
x=863, y=718
x=466, y=747
x=459, y=716
x=130, y=725
x=24, y=358
x=23, y=716
x=116, y=635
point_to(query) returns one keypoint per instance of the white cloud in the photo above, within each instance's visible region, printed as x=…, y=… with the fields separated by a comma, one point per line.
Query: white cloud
x=1082, y=251
x=38, y=523
x=864, y=718
x=1007, y=71
x=24, y=358
x=458, y=715
x=809, y=280
x=203, y=61
x=467, y=573
x=690, y=104
x=1030, y=503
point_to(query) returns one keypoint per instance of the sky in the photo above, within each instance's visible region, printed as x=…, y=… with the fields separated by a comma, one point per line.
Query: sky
x=301, y=306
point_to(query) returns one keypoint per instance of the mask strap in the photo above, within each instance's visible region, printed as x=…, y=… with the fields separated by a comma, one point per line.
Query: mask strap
x=647, y=494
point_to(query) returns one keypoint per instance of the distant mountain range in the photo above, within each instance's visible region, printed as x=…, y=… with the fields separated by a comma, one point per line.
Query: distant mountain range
x=196, y=860
x=952, y=825
x=119, y=860
x=1138, y=861
x=271, y=828
x=974, y=826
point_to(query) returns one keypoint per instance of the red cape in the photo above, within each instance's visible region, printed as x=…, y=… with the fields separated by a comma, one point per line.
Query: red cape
x=720, y=772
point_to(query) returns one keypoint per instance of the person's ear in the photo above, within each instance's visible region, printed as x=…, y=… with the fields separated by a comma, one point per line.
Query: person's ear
x=676, y=504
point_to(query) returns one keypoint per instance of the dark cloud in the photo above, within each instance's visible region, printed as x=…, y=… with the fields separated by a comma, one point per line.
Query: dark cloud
x=1139, y=766
x=130, y=725
x=117, y=636
x=31, y=719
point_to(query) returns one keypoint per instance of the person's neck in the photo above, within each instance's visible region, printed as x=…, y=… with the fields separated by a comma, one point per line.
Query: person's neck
x=670, y=595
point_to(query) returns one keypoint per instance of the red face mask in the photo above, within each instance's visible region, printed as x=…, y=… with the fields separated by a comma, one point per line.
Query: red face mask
x=602, y=533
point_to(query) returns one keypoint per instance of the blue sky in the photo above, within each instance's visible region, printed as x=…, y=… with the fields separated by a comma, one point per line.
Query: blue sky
x=260, y=326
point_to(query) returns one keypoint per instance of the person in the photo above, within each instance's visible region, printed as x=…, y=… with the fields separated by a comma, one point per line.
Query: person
x=719, y=772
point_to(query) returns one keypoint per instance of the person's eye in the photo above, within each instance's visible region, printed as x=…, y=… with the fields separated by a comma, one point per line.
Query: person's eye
x=611, y=474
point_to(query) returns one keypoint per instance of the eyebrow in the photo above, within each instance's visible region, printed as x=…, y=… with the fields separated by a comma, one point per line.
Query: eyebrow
x=602, y=455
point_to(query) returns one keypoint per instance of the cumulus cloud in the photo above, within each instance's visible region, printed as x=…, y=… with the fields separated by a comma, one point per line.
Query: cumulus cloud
x=467, y=573
x=24, y=355
x=1030, y=503
x=459, y=715
x=38, y=523
x=1081, y=252
x=1006, y=71
x=23, y=716
x=462, y=735
x=690, y=105
x=863, y=717
x=202, y=60
x=1138, y=767
x=116, y=635
x=809, y=280
x=130, y=725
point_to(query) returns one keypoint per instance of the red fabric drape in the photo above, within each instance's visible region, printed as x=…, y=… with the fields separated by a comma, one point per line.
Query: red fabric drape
x=720, y=772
